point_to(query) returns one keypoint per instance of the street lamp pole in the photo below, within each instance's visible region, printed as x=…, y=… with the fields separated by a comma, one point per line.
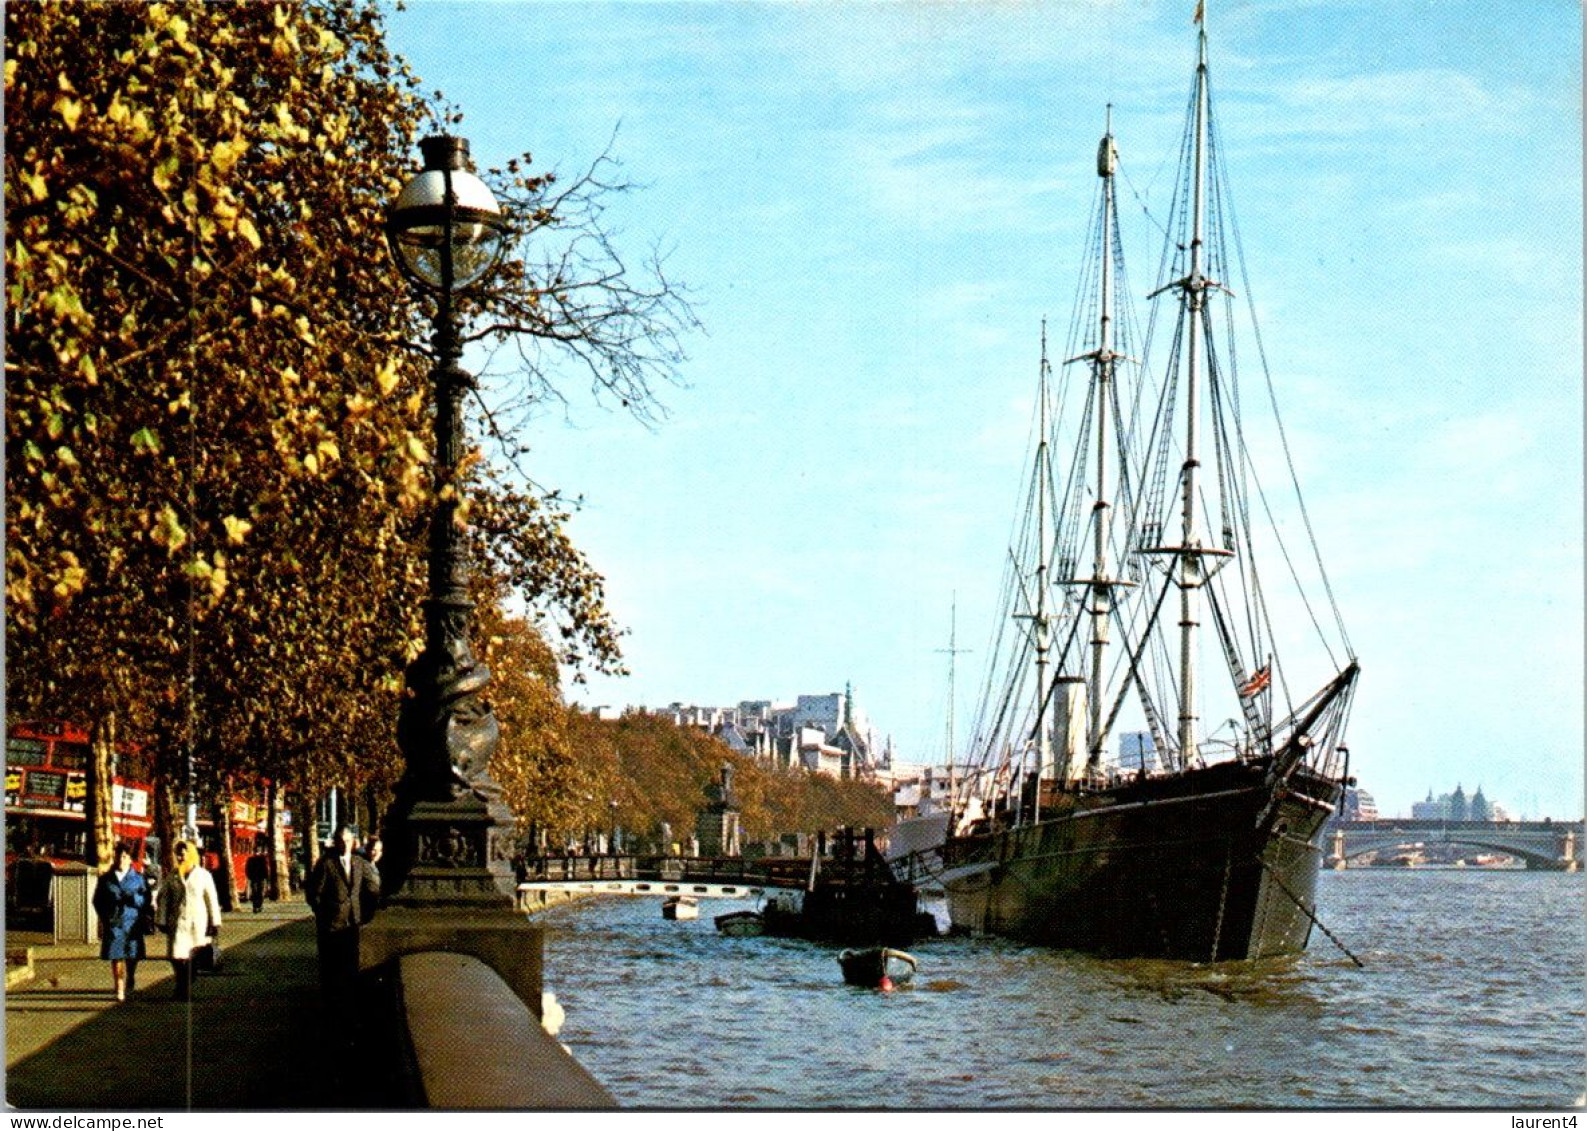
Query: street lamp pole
x=447, y=833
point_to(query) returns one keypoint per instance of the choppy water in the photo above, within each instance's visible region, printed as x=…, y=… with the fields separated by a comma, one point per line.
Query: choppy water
x=1472, y=996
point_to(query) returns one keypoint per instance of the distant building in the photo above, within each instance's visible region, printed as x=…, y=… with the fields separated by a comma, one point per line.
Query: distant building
x=1457, y=807
x=1431, y=809
x=825, y=712
x=922, y=792
x=1358, y=805
x=826, y=734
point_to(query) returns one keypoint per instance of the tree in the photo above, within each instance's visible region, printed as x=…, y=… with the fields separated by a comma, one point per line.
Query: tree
x=172, y=224
x=658, y=772
x=217, y=442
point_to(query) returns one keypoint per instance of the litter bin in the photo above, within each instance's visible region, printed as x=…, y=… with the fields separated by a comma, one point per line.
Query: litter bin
x=75, y=921
x=29, y=903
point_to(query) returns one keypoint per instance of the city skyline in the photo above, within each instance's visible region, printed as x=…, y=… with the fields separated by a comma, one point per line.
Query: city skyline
x=875, y=208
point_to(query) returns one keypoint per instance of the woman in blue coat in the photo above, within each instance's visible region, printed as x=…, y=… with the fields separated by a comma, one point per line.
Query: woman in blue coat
x=122, y=902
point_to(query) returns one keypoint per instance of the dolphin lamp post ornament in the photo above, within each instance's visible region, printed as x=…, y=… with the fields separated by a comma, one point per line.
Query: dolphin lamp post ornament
x=446, y=834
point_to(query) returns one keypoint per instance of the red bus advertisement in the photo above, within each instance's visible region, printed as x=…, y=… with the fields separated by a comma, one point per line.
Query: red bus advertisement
x=46, y=800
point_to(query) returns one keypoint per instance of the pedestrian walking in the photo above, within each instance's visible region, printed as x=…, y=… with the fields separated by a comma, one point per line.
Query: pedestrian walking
x=343, y=891
x=125, y=910
x=190, y=913
x=257, y=872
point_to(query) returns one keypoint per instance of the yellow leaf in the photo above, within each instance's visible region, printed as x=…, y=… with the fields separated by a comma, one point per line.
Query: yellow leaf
x=249, y=232
x=70, y=581
x=226, y=154
x=386, y=376
x=236, y=529
x=168, y=531
x=69, y=109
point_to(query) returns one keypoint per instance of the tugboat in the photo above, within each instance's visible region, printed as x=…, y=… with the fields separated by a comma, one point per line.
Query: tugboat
x=741, y=924
x=853, y=899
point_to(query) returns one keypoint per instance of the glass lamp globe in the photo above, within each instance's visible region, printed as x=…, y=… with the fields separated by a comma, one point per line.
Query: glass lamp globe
x=425, y=232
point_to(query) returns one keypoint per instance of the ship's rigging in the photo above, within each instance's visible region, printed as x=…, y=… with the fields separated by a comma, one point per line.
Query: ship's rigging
x=1159, y=496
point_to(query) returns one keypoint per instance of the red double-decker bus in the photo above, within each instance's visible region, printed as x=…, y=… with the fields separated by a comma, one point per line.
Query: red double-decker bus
x=47, y=792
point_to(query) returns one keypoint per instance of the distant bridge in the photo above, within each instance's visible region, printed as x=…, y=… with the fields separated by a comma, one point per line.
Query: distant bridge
x=1546, y=845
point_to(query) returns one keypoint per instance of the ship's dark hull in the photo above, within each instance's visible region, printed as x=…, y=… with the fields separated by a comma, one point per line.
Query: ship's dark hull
x=1182, y=867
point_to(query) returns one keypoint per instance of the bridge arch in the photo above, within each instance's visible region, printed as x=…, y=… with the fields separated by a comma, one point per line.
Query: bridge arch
x=1544, y=845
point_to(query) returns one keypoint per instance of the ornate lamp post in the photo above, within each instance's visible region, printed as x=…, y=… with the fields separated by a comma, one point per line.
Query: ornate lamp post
x=446, y=836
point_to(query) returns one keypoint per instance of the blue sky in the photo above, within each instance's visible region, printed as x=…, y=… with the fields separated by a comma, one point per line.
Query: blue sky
x=875, y=206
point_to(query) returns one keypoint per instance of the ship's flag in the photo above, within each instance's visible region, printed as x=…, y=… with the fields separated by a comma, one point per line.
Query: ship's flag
x=1262, y=677
x=1201, y=11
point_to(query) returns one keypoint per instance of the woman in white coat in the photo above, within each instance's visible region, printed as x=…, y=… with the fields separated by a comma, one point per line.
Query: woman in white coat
x=190, y=914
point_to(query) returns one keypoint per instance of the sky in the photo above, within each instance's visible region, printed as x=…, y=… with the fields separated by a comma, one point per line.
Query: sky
x=874, y=205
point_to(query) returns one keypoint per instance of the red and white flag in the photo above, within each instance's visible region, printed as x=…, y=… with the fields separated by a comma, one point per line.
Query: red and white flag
x=1262, y=677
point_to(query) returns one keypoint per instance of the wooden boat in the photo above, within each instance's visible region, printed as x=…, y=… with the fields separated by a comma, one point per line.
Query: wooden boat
x=741, y=924
x=877, y=966
x=681, y=907
x=1186, y=842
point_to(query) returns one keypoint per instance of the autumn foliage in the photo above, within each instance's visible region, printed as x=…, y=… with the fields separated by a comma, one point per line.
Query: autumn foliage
x=218, y=426
x=657, y=771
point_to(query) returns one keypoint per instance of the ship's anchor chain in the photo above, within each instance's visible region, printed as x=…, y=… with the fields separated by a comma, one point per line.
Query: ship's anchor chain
x=1223, y=898
x=1307, y=911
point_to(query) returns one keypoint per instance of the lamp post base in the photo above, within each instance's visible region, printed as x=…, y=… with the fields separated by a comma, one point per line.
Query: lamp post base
x=458, y=854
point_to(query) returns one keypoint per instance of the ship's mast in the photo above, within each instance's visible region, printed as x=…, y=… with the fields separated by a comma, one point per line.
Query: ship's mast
x=1042, y=623
x=1195, y=290
x=1101, y=590
x=953, y=651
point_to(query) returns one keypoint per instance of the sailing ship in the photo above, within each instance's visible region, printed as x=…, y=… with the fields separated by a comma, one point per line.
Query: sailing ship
x=1199, y=844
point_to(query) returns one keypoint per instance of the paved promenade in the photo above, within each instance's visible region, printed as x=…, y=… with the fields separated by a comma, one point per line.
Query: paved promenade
x=253, y=1038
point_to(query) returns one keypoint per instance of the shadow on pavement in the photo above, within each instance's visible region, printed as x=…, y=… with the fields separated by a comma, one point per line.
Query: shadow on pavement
x=255, y=1037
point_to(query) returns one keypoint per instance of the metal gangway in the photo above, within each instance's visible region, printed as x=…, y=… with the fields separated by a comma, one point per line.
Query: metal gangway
x=700, y=877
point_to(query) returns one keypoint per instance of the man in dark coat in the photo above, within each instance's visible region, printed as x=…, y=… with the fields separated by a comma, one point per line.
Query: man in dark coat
x=257, y=870
x=342, y=891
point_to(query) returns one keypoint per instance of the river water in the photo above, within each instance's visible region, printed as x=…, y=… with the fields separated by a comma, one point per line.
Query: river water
x=1472, y=995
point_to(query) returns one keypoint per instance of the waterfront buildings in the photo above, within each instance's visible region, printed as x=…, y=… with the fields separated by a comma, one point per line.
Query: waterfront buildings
x=1358, y=805
x=825, y=734
x=1457, y=806
x=925, y=791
